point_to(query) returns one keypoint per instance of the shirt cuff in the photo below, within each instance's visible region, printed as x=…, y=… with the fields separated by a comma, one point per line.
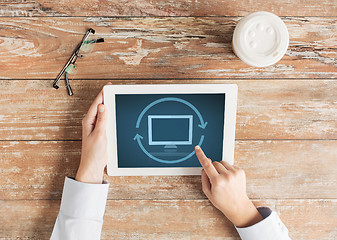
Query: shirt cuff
x=84, y=200
x=271, y=227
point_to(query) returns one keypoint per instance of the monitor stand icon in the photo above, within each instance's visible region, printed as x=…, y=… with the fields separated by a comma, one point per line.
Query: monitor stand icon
x=170, y=148
x=170, y=131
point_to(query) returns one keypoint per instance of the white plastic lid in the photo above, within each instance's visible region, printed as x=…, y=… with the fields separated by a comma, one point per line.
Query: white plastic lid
x=260, y=39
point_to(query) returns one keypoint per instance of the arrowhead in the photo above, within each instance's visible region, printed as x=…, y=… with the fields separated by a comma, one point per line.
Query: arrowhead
x=137, y=137
x=203, y=126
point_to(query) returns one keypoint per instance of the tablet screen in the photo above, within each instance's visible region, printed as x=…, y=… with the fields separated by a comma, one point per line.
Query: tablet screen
x=161, y=130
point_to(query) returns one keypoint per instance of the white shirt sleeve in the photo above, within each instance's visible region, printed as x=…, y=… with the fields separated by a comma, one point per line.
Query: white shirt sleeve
x=270, y=228
x=81, y=212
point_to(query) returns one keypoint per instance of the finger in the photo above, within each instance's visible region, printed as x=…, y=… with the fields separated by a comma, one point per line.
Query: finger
x=235, y=167
x=92, y=112
x=228, y=166
x=89, y=120
x=219, y=167
x=102, y=117
x=109, y=83
x=206, y=163
x=206, y=184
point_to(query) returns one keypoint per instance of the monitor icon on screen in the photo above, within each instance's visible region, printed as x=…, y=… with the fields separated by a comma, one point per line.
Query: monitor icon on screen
x=170, y=130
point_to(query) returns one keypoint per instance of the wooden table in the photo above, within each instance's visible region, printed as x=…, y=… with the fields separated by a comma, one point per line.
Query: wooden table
x=286, y=136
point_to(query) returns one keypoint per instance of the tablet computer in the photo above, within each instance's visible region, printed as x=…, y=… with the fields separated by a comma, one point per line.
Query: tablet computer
x=153, y=129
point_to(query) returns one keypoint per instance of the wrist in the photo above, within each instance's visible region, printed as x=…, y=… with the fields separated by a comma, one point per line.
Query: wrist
x=88, y=175
x=246, y=215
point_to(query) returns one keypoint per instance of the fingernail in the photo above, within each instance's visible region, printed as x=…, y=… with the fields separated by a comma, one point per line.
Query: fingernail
x=101, y=108
x=197, y=147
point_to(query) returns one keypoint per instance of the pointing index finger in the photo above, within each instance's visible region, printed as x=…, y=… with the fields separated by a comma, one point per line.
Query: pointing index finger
x=206, y=163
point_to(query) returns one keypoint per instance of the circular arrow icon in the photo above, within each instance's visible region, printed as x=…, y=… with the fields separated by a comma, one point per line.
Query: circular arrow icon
x=138, y=137
x=172, y=99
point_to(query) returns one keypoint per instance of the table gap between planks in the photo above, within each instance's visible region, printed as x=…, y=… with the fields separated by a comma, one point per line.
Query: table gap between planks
x=286, y=122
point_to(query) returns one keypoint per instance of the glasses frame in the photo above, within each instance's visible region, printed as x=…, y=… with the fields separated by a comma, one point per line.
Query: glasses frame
x=72, y=60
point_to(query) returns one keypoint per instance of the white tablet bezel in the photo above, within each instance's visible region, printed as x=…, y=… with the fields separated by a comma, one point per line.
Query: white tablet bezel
x=109, y=93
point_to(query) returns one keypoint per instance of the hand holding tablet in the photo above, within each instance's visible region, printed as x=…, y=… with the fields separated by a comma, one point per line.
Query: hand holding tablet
x=94, y=143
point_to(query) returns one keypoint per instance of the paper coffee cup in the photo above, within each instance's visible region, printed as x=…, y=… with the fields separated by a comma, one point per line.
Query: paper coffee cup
x=260, y=39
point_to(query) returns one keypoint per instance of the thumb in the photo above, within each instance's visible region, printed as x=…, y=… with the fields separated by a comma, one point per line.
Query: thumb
x=102, y=117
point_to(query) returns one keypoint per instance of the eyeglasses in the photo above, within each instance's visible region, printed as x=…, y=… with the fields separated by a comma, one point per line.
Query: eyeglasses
x=70, y=68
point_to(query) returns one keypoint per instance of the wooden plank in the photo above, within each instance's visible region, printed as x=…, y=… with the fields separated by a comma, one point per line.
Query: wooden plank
x=274, y=169
x=267, y=109
x=162, y=219
x=181, y=47
x=165, y=8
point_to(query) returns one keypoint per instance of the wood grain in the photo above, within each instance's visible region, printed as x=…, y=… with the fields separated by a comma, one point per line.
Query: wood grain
x=274, y=169
x=165, y=47
x=267, y=109
x=165, y=8
x=162, y=219
x=286, y=123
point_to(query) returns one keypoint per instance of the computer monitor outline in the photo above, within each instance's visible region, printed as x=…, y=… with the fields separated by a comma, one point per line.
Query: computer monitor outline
x=168, y=143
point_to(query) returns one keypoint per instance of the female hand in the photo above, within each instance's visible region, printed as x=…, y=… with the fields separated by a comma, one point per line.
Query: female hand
x=94, y=143
x=225, y=186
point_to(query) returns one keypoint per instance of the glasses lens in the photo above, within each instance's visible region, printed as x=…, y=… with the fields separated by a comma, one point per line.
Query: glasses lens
x=88, y=44
x=71, y=69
